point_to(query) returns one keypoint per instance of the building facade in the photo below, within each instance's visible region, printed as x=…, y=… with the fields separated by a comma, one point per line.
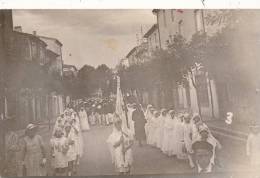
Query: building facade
x=55, y=46
x=187, y=23
x=27, y=95
x=152, y=37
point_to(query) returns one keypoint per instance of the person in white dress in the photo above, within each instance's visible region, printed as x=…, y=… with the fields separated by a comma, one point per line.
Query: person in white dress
x=156, y=129
x=120, y=144
x=59, y=150
x=147, y=116
x=72, y=149
x=83, y=119
x=180, y=137
x=168, y=129
x=161, y=128
x=130, y=111
x=253, y=147
x=150, y=137
x=173, y=140
x=188, y=138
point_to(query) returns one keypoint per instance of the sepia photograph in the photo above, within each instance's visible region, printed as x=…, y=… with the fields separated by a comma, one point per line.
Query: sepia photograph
x=120, y=92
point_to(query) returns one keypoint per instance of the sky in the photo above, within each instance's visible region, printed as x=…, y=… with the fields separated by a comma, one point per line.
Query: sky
x=90, y=37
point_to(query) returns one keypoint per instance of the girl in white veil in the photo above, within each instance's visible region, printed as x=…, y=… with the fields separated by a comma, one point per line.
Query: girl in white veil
x=120, y=144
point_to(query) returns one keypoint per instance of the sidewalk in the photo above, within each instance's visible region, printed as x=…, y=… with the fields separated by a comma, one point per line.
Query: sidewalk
x=235, y=131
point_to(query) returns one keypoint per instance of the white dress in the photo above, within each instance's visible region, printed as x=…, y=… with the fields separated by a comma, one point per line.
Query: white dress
x=172, y=138
x=150, y=138
x=130, y=120
x=253, y=149
x=60, y=158
x=188, y=136
x=121, y=161
x=84, y=120
x=148, y=117
x=156, y=131
x=180, y=140
x=72, y=151
x=167, y=135
x=160, y=132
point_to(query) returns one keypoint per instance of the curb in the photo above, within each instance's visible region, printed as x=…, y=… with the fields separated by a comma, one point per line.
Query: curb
x=230, y=134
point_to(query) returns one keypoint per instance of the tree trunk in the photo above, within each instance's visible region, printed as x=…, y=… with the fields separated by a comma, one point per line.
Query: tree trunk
x=198, y=100
x=211, y=99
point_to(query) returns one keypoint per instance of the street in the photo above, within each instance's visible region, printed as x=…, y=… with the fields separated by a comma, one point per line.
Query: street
x=147, y=160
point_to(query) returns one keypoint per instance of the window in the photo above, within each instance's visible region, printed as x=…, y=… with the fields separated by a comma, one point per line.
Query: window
x=164, y=18
x=198, y=20
x=42, y=56
x=34, y=50
x=172, y=15
x=202, y=89
x=180, y=27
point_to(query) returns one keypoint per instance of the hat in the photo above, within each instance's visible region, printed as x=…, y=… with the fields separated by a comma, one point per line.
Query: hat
x=171, y=111
x=202, y=145
x=186, y=115
x=149, y=106
x=203, y=128
x=31, y=126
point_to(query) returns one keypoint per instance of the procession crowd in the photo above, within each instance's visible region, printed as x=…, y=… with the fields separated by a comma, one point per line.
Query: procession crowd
x=174, y=133
x=180, y=135
x=67, y=142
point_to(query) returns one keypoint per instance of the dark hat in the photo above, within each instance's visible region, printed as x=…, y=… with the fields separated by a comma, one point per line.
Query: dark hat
x=202, y=145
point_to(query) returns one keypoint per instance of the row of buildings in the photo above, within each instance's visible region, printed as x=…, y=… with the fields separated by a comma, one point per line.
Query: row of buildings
x=32, y=74
x=216, y=99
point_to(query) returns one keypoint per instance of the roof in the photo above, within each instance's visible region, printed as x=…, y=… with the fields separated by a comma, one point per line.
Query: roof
x=151, y=30
x=132, y=51
x=50, y=38
x=31, y=36
x=52, y=53
x=69, y=66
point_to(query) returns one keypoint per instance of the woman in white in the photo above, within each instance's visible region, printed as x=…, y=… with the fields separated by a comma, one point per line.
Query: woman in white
x=172, y=135
x=151, y=127
x=188, y=138
x=120, y=144
x=161, y=128
x=180, y=137
x=83, y=119
x=168, y=129
x=154, y=128
x=129, y=114
x=148, y=117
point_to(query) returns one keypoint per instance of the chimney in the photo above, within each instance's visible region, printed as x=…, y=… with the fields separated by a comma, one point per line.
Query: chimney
x=18, y=28
x=34, y=33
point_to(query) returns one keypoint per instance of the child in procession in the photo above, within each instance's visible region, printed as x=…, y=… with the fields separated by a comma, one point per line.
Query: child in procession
x=59, y=150
x=187, y=126
x=72, y=150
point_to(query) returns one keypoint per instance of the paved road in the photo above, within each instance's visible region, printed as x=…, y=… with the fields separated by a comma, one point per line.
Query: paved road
x=147, y=160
